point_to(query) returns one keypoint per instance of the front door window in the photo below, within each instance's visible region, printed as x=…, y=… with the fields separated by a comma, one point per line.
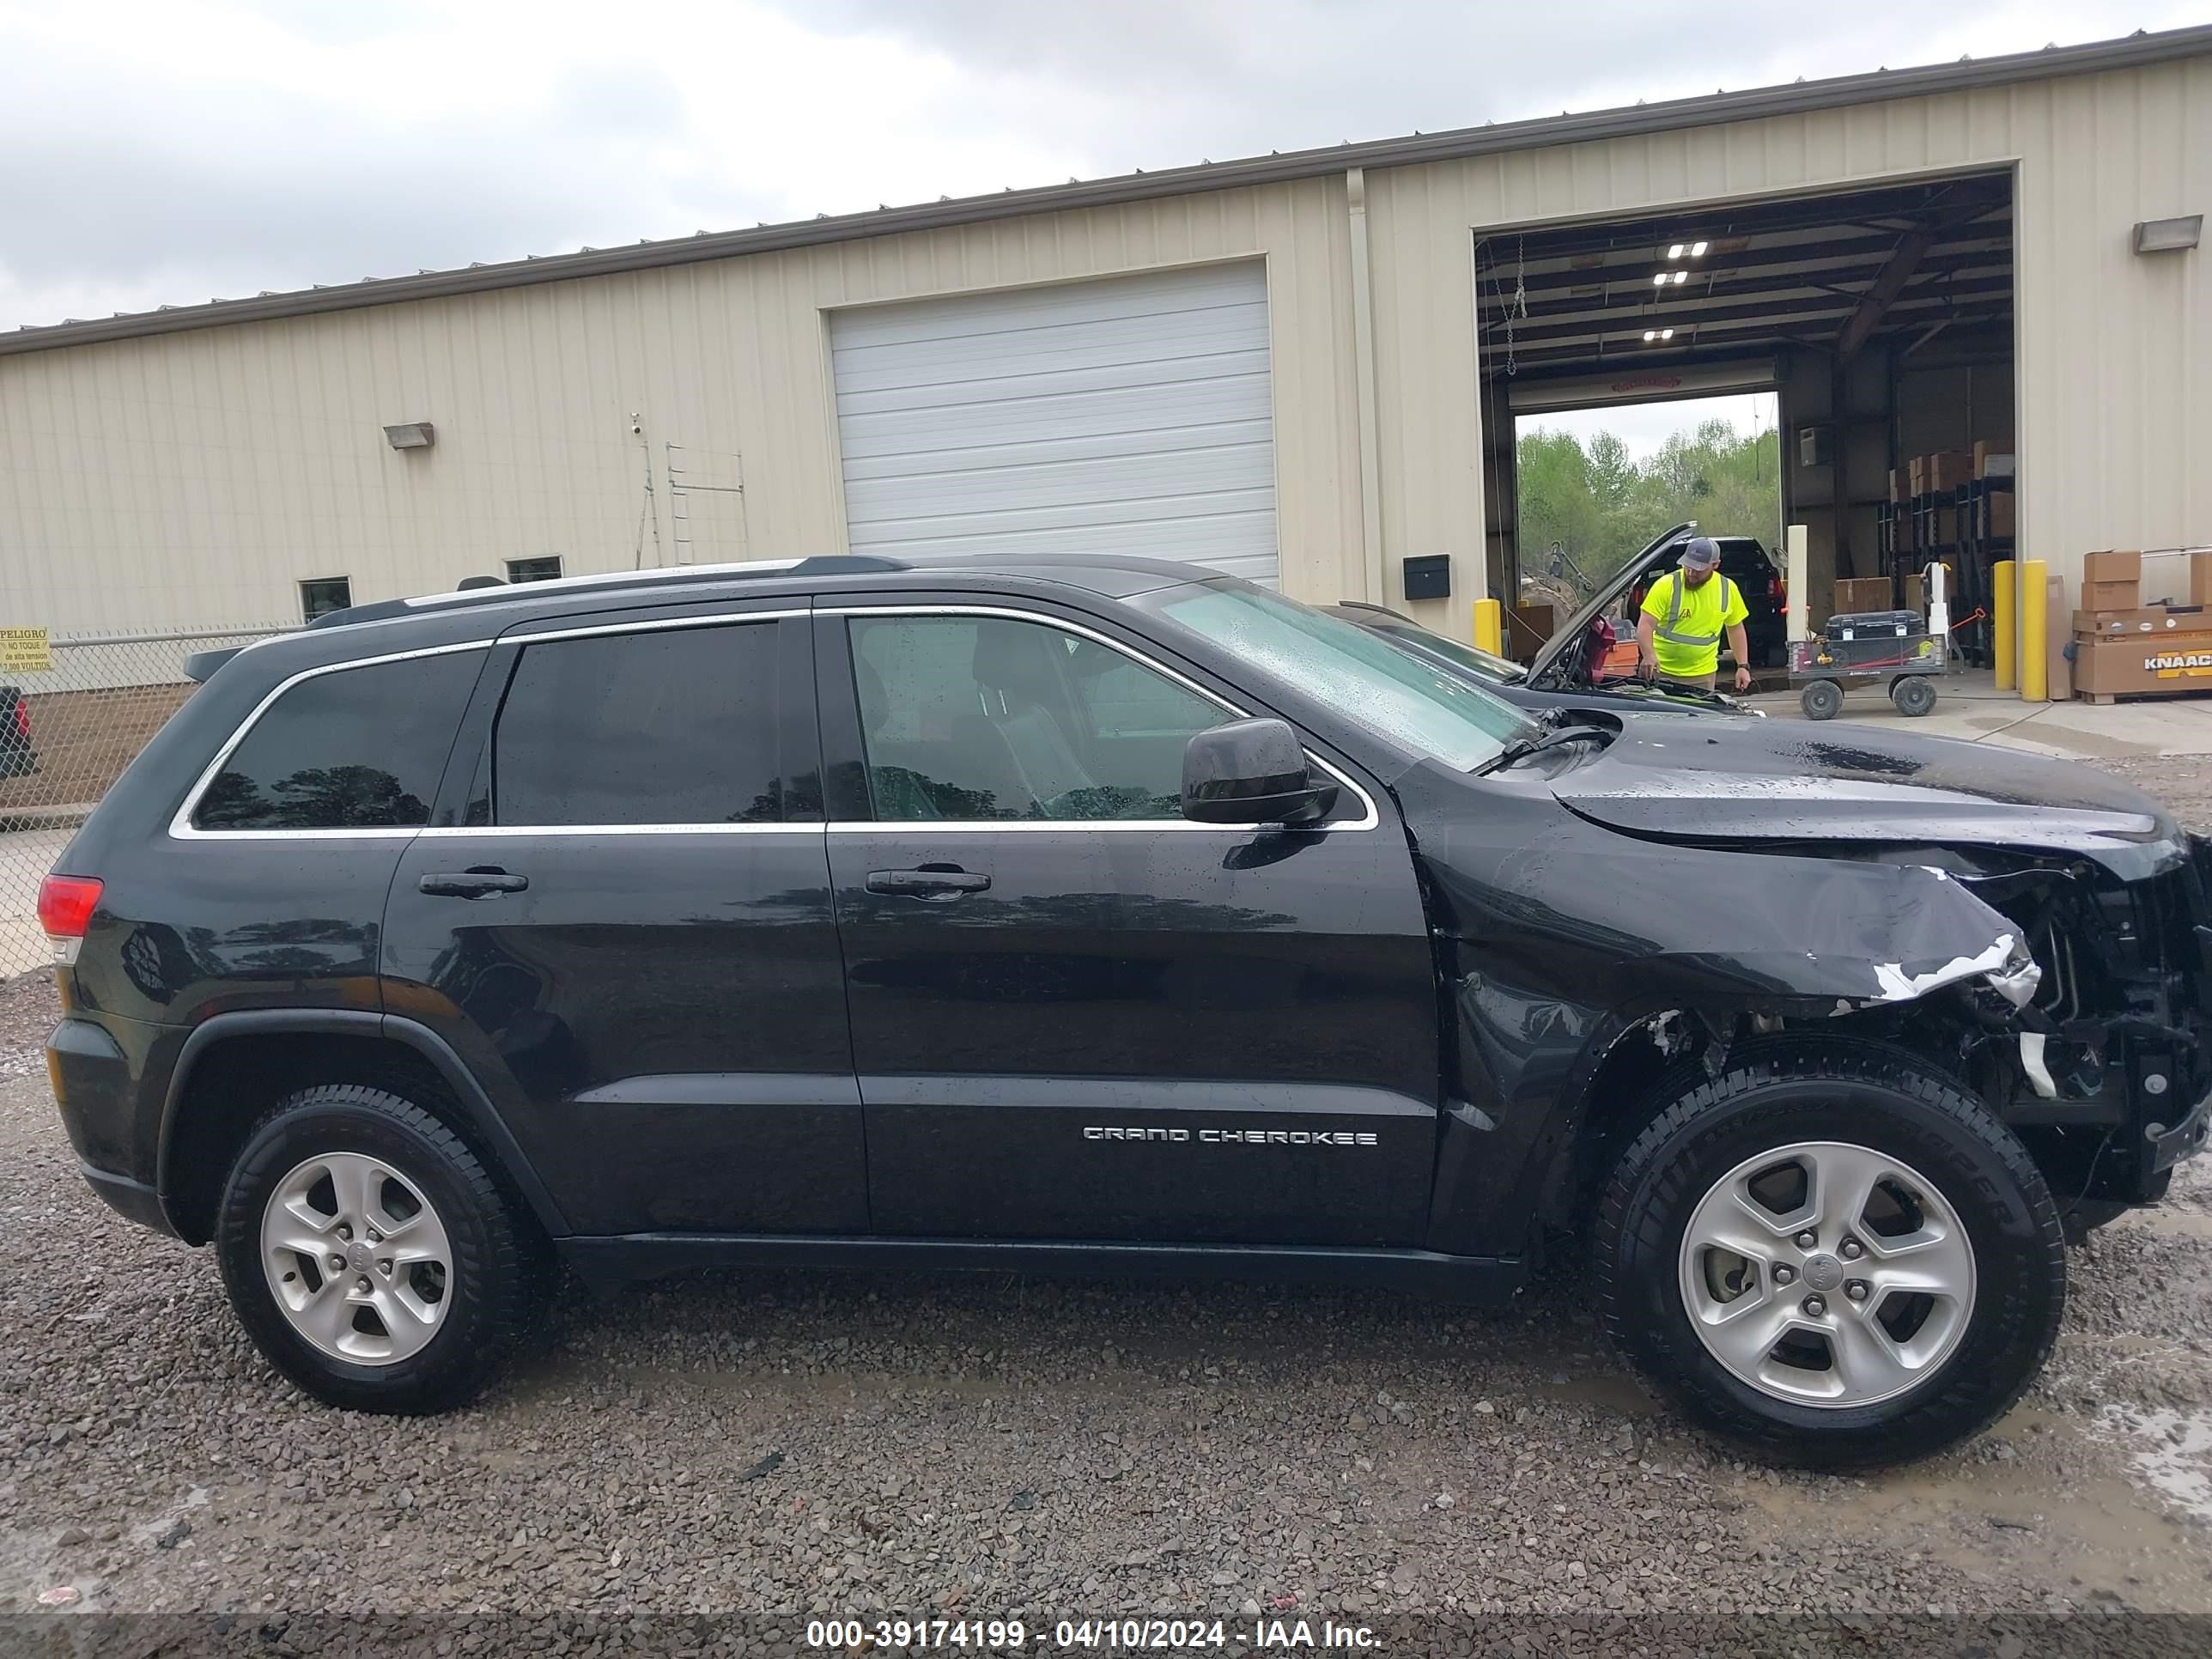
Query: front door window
x=976, y=719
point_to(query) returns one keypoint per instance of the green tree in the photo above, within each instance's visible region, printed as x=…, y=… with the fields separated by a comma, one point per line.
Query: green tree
x=1600, y=507
x=1559, y=501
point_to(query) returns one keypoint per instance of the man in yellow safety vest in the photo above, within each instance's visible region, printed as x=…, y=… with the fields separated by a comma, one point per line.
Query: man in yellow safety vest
x=1679, y=634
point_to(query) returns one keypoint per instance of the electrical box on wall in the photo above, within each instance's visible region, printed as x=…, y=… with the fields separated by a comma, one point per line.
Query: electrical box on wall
x=1812, y=445
x=1429, y=577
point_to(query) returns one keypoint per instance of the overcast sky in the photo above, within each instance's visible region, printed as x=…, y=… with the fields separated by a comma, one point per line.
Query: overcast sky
x=1643, y=427
x=169, y=151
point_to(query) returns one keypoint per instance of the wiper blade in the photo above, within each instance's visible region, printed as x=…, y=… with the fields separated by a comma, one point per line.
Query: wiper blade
x=1521, y=748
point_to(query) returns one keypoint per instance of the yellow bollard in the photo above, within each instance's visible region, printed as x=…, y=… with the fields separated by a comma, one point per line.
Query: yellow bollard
x=2034, y=619
x=2004, y=624
x=1490, y=627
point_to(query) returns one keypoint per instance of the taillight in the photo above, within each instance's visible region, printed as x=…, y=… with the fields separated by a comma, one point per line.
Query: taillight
x=65, y=907
x=23, y=719
x=1778, y=590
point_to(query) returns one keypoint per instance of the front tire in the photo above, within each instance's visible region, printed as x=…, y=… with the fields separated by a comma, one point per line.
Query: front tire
x=1832, y=1255
x=371, y=1255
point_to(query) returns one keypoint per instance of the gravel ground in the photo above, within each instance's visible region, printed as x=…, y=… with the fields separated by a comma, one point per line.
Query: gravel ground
x=1012, y=1448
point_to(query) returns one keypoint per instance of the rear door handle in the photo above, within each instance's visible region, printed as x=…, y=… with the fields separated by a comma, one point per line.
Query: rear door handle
x=471, y=883
x=928, y=884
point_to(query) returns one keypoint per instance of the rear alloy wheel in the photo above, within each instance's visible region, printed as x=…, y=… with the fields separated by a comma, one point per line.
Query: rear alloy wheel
x=356, y=1258
x=371, y=1255
x=1832, y=1255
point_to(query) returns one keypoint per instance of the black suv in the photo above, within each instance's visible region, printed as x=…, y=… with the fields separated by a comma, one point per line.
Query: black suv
x=1101, y=913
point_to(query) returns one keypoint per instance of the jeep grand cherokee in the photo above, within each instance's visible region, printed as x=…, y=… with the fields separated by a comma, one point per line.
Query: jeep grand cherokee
x=1101, y=914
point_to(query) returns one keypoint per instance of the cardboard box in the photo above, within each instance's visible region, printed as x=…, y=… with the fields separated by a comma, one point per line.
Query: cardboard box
x=2162, y=619
x=1993, y=460
x=2200, y=578
x=2002, y=522
x=1896, y=486
x=2058, y=669
x=1916, y=592
x=1947, y=469
x=2109, y=566
x=2111, y=596
x=1855, y=594
x=2169, y=662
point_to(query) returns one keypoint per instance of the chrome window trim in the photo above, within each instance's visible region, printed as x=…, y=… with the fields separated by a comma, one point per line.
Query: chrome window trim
x=651, y=624
x=1369, y=818
x=181, y=827
x=464, y=831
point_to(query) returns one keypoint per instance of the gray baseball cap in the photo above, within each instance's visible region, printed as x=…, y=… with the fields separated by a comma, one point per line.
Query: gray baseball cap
x=1701, y=553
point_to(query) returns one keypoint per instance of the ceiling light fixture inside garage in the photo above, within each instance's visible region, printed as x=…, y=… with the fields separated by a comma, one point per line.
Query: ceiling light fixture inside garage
x=1695, y=250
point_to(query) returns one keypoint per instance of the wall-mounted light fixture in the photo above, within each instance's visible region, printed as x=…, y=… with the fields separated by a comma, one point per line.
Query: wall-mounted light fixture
x=1651, y=336
x=2169, y=235
x=414, y=434
x=1695, y=250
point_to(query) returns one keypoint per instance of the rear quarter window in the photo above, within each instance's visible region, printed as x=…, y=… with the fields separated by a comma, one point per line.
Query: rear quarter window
x=353, y=749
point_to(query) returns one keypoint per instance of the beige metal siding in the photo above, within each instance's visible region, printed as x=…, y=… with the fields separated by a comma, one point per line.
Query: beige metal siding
x=194, y=478
x=190, y=477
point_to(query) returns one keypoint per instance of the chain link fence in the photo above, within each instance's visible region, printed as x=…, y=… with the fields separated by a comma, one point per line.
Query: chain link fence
x=67, y=731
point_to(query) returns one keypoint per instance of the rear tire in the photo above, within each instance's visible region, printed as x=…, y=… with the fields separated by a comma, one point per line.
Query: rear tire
x=1954, y=1201
x=371, y=1255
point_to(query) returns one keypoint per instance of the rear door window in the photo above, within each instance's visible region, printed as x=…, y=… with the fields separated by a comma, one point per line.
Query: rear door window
x=356, y=749
x=672, y=725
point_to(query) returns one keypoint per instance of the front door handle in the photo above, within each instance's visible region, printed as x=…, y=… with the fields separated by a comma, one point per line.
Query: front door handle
x=471, y=883
x=943, y=882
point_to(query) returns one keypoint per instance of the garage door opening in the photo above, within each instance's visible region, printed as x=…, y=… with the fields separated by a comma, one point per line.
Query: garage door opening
x=1881, y=320
x=1597, y=484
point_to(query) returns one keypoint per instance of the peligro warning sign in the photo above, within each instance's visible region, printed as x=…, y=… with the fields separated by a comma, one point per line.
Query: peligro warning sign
x=25, y=651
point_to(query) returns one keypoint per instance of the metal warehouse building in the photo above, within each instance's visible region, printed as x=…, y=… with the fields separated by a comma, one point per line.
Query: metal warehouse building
x=1303, y=368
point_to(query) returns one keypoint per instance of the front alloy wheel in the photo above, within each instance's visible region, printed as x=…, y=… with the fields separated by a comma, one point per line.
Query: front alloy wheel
x=1831, y=1254
x=1827, y=1274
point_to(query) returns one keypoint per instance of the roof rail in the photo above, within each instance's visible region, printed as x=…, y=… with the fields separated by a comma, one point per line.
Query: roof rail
x=478, y=589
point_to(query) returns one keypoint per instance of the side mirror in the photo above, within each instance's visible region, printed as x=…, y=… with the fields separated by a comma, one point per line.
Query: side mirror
x=1251, y=772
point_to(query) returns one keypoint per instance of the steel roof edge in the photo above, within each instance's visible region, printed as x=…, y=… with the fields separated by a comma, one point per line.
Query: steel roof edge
x=1542, y=132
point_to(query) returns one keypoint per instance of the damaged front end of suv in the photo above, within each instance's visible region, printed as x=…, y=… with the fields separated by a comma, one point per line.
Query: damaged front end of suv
x=2035, y=929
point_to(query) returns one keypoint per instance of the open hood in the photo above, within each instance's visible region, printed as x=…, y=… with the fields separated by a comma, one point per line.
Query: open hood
x=1719, y=782
x=1667, y=546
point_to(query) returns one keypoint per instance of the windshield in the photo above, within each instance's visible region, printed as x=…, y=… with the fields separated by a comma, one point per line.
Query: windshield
x=1384, y=687
x=1478, y=662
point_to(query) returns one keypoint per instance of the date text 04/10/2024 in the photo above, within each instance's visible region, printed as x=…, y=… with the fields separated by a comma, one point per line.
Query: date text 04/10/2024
x=1011, y=1635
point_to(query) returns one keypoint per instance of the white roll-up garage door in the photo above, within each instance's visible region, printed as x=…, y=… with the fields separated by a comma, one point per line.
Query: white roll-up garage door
x=1129, y=415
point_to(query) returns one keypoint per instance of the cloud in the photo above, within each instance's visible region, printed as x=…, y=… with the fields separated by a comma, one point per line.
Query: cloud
x=173, y=151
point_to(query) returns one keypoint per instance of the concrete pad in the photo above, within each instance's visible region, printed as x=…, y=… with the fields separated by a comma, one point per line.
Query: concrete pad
x=1969, y=706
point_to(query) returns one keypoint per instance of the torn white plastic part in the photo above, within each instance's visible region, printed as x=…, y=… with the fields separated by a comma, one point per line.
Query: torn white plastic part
x=2031, y=1061
x=2018, y=979
x=1895, y=985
